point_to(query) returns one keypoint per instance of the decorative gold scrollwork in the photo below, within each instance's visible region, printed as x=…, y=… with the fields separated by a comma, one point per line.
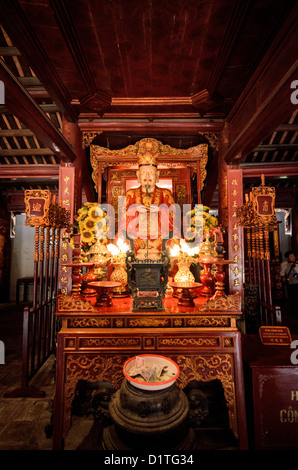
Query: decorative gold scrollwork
x=206, y=368
x=130, y=153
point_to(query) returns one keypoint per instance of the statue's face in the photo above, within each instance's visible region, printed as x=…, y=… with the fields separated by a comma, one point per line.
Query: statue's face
x=148, y=177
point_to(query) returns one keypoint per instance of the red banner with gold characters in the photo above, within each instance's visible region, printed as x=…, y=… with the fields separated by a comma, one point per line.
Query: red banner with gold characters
x=66, y=200
x=235, y=231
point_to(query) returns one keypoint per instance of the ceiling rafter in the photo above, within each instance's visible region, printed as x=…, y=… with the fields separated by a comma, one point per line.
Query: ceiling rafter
x=19, y=101
x=268, y=107
x=35, y=55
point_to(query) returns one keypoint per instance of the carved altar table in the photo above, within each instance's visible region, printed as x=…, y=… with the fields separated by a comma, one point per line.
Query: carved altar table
x=94, y=343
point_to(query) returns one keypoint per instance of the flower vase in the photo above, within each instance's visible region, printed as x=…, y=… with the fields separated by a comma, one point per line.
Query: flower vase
x=207, y=280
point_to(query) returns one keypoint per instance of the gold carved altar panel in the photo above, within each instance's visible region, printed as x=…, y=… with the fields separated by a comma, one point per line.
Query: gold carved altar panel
x=193, y=159
x=93, y=345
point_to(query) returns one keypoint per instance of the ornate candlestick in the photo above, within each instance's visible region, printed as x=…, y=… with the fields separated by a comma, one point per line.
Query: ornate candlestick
x=76, y=276
x=88, y=293
x=77, y=266
x=219, y=276
x=207, y=258
x=207, y=277
x=185, y=296
x=103, y=290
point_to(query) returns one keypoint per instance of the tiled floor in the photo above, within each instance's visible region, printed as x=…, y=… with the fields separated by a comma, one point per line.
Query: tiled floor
x=23, y=420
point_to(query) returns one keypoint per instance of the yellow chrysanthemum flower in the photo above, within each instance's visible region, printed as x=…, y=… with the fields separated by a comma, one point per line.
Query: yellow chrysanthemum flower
x=214, y=221
x=87, y=236
x=95, y=212
x=81, y=226
x=89, y=224
x=82, y=212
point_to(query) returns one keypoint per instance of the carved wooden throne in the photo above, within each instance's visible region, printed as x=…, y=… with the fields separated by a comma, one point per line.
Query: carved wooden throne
x=177, y=167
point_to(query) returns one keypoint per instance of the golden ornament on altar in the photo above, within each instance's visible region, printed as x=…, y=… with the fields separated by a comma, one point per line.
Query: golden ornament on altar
x=118, y=262
x=99, y=257
x=120, y=275
x=185, y=256
x=184, y=274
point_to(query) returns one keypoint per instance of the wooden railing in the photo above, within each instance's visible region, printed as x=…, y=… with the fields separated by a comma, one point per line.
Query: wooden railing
x=39, y=326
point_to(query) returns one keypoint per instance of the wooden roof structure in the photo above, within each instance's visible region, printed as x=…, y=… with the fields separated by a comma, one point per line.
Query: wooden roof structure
x=179, y=72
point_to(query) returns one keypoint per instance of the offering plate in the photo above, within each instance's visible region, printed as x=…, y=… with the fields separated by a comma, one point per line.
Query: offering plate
x=152, y=364
x=103, y=291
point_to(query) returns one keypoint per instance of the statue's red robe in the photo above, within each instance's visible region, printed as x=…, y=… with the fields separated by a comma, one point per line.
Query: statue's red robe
x=148, y=217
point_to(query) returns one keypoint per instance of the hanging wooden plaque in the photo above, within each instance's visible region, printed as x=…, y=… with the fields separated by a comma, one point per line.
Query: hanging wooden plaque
x=37, y=203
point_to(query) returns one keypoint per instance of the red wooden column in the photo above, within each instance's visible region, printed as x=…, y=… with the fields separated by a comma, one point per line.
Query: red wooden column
x=235, y=231
x=222, y=178
x=66, y=200
x=72, y=133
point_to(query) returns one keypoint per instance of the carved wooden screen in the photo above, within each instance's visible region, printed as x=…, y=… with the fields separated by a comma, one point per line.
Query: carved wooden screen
x=177, y=164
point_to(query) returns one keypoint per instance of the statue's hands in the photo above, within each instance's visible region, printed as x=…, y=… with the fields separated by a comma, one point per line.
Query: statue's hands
x=154, y=208
x=141, y=208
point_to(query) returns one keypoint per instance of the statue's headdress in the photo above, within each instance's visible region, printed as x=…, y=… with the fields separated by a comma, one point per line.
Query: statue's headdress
x=147, y=153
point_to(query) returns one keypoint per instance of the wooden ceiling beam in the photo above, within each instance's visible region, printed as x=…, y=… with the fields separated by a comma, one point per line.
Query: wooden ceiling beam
x=16, y=24
x=161, y=127
x=16, y=133
x=287, y=128
x=29, y=171
x=21, y=104
x=39, y=92
x=46, y=108
x=275, y=147
x=269, y=170
x=266, y=101
x=235, y=25
x=20, y=152
x=9, y=51
x=29, y=81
